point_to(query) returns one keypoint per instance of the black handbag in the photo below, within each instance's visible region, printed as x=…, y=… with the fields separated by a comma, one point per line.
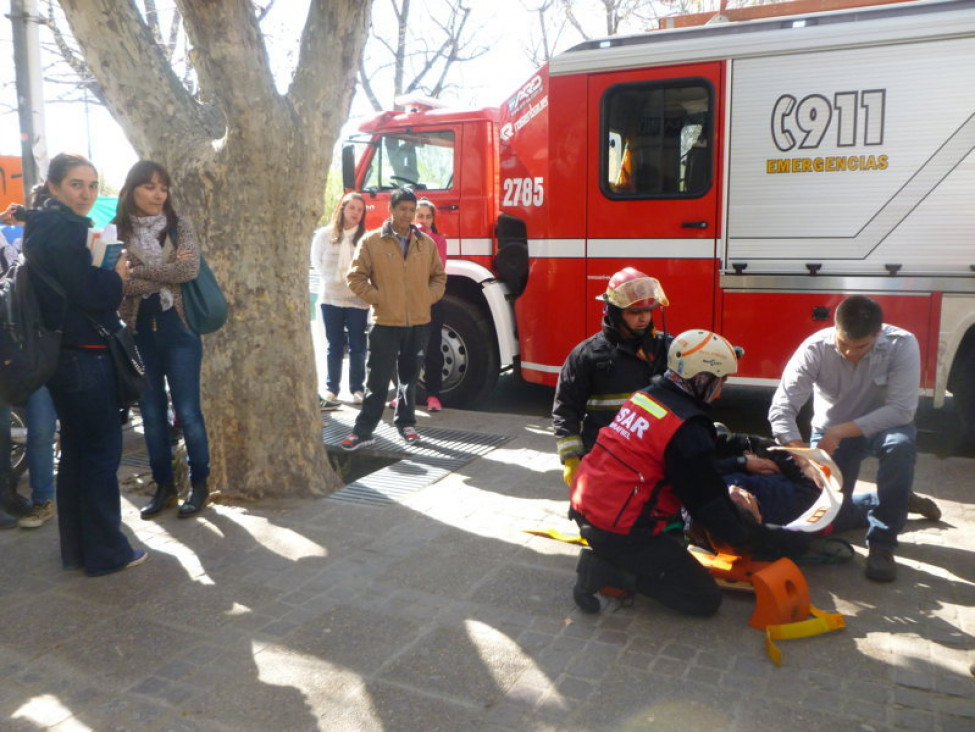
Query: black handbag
x=130, y=372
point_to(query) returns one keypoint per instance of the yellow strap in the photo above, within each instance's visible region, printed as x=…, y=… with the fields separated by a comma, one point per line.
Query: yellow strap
x=558, y=536
x=821, y=622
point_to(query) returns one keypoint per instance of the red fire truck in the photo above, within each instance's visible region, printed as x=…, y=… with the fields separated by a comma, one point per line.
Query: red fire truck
x=762, y=170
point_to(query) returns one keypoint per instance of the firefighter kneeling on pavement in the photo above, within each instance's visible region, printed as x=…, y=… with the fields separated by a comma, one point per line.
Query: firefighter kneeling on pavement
x=656, y=458
x=602, y=371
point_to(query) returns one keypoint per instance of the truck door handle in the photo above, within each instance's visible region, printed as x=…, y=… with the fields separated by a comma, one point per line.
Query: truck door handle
x=449, y=207
x=694, y=225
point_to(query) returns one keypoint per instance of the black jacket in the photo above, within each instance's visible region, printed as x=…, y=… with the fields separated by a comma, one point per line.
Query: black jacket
x=596, y=379
x=55, y=239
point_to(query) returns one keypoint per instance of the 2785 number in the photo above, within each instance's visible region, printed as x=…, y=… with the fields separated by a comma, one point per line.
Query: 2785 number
x=523, y=192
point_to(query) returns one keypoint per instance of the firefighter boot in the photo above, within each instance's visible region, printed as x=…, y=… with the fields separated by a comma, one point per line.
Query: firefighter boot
x=164, y=497
x=592, y=575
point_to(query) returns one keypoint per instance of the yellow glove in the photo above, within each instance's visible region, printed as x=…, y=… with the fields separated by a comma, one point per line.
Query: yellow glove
x=569, y=468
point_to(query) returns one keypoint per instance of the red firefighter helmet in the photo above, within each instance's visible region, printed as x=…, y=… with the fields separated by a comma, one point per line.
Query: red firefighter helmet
x=631, y=288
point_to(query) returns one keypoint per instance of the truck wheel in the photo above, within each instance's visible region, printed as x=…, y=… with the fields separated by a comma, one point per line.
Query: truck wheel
x=961, y=383
x=470, y=354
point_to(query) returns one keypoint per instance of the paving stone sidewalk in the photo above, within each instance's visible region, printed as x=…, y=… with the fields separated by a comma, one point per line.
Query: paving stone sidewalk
x=440, y=613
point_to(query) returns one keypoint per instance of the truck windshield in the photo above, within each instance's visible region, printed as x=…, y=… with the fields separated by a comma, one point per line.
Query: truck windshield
x=422, y=160
x=655, y=139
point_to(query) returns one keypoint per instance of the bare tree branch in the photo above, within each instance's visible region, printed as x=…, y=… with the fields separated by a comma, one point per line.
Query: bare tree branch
x=263, y=11
x=319, y=88
x=174, y=27
x=76, y=62
x=569, y=10
x=135, y=48
x=366, y=84
x=540, y=48
x=425, y=51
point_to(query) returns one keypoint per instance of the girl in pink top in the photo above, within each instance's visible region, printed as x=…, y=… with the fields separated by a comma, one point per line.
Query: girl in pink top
x=426, y=221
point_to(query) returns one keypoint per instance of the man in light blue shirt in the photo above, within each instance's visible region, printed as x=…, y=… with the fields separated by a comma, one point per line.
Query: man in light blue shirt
x=864, y=377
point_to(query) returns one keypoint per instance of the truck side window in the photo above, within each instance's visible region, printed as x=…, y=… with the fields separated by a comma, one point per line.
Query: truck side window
x=423, y=160
x=656, y=140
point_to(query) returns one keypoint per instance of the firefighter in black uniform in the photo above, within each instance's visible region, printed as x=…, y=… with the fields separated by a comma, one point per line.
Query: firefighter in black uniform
x=601, y=372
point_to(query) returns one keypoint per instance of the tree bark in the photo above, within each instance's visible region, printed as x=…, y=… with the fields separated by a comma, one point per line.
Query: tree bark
x=249, y=168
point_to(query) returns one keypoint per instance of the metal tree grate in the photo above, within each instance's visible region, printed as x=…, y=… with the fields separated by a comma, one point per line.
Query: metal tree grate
x=439, y=452
x=139, y=459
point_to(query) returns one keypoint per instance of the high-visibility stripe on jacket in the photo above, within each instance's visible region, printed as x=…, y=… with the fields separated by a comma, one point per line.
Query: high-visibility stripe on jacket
x=596, y=379
x=622, y=480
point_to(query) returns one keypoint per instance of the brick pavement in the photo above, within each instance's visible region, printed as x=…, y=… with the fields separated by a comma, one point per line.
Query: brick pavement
x=440, y=613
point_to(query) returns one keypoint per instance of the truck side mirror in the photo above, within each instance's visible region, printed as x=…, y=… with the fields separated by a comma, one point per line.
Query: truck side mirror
x=348, y=167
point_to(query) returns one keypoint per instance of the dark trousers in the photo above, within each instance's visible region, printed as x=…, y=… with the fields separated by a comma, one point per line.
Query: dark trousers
x=433, y=352
x=340, y=324
x=391, y=349
x=6, y=440
x=89, y=504
x=172, y=354
x=779, y=499
x=662, y=566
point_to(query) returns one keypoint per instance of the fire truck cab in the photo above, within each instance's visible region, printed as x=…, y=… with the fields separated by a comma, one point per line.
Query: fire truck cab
x=761, y=170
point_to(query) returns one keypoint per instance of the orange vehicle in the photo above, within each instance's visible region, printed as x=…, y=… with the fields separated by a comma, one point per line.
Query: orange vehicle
x=11, y=181
x=762, y=170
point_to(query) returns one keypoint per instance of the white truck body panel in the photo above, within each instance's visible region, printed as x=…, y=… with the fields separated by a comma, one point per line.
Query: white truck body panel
x=788, y=207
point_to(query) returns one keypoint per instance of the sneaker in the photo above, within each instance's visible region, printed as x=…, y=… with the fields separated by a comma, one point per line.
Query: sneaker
x=140, y=556
x=880, y=565
x=353, y=442
x=328, y=405
x=38, y=516
x=331, y=396
x=924, y=506
x=409, y=435
x=358, y=397
x=433, y=404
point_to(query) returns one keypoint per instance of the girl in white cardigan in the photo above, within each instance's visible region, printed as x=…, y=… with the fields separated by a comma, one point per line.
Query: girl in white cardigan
x=343, y=313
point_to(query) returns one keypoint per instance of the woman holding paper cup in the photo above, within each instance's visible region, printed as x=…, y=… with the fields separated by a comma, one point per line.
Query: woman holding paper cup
x=83, y=387
x=163, y=252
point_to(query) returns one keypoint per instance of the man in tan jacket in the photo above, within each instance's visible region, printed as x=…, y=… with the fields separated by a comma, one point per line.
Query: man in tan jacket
x=397, y=270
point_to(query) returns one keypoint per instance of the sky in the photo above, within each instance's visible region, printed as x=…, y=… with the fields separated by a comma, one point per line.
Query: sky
x=505, y=28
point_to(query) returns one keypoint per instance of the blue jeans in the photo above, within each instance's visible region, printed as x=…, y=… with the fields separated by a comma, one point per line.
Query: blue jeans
x=337, y=321
x=41, y=424
x=89, y=504
x=172, y=354
x=883, y=512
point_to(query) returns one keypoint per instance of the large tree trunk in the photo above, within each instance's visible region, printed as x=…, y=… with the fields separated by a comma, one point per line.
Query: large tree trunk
x=249, y=170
